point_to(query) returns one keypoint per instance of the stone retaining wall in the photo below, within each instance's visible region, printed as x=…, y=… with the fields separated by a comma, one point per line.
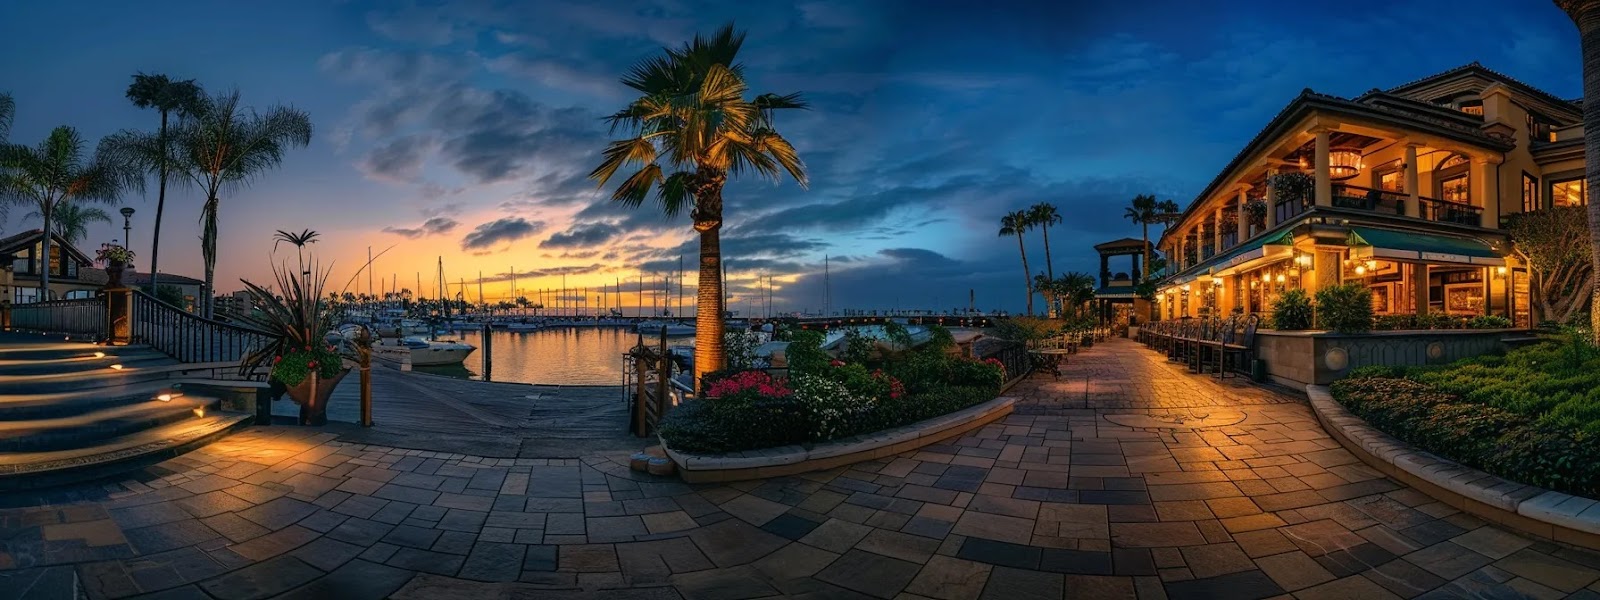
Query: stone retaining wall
x=1534, y=510
x=1301, y=358
x=790, y=460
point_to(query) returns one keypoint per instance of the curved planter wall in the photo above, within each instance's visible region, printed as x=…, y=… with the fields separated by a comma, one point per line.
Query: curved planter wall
x=790, y=460
x=1534, y=510
x=1301, y=358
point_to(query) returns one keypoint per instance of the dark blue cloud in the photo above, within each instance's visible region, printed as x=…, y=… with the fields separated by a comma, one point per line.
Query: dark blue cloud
x=498, y=231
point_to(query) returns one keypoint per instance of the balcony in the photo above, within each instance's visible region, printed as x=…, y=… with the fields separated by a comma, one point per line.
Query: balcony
x=1369, y=199
x=1451, y=212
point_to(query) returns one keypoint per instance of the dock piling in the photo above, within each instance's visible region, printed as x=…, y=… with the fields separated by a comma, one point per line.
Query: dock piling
x=488, y=352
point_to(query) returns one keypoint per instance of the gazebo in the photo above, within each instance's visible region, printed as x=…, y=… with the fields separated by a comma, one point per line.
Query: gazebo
x=1116, y=301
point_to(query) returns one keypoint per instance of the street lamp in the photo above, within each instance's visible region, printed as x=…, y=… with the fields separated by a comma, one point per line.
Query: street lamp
x=127, y=226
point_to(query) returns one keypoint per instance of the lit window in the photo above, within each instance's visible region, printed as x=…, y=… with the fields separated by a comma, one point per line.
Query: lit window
x=1530, y=193
x=1473, y=110
x=1572, y=192
x=1392, y=181
x=1454, y=189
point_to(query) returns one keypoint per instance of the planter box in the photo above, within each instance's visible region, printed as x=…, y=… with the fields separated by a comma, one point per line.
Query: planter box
x=789, y=460
x=1301, y=358
x=1534, y=510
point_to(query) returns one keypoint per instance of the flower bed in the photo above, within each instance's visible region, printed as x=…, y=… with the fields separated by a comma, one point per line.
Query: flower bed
x=1532, y=415
x=824, y=399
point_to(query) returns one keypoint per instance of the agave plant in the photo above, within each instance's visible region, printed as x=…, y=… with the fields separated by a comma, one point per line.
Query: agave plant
x=299, y=319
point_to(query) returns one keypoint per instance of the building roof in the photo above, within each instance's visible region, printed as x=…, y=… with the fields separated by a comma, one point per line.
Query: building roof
x=1126, y=243
x=1476, y=68
x=132, y=278
x=22, y=241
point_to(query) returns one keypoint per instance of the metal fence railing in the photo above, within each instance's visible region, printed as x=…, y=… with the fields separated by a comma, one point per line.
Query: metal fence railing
x=78, y=316
x=189, y=337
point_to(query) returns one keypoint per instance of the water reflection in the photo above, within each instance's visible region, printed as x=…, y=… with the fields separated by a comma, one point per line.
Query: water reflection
x=561, y=356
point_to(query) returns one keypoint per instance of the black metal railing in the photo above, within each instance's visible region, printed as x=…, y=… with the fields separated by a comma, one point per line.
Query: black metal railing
x=188, y=337
x=1013, y=356
x=1229, y=239
x=1369, y=199
x=1208, y=251
x=78, y=316
x=1446, y=211
x=1289, y=208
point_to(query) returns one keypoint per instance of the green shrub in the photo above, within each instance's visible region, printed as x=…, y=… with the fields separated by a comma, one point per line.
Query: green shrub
x=293, y=368
x=1394, y=322
x=1489, y=322
x=714, y=426
x=984, y=374
x=1345, y=308
x=1292, y=311
x=897, y=335
x=1024, y=329
x=805, y=354
x=858, y=348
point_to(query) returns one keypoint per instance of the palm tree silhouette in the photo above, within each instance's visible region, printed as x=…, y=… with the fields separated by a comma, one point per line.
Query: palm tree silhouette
x=1016, y=223
x=168, y=97
x=72, y=221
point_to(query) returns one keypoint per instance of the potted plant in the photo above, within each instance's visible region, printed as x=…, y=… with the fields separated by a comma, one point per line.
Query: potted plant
x=300, y=360
x=116, y=259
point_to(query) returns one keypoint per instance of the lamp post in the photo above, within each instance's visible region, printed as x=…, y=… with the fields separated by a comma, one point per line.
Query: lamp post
x=127, y=226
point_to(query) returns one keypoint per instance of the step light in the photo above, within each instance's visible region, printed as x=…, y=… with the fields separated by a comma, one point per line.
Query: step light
x=167, y=397
x=99, y=355
x=117, y=366
x=199, y=411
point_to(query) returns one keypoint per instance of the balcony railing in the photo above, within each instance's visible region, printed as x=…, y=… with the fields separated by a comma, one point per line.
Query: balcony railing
x=1369, y=199
x=1451, y=212
x=1230, y=239
x=1285, y=209
x=1207, y=251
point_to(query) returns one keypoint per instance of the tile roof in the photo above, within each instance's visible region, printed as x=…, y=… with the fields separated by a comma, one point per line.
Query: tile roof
x=1478, y=67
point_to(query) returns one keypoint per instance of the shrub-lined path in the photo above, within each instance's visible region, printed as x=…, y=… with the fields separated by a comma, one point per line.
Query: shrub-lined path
x=1128, y=477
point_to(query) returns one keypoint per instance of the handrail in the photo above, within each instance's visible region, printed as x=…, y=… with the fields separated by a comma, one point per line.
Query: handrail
x=1435, y=209
x=76, y=316
x=1369, y=199
x=188, y=337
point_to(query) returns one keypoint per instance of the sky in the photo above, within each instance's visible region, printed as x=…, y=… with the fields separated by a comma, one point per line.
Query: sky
x=464, y=131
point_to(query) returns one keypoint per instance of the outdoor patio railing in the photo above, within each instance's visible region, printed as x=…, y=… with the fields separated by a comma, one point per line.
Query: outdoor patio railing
x=1369, y=199
x=78, y=316
x=189, y=337
x=1451, y=212
x=1013, y=356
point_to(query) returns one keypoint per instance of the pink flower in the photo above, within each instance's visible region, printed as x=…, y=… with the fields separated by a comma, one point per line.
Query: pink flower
x=836, y=362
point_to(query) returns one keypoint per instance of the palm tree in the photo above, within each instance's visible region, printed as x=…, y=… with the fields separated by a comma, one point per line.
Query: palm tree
x=72, y=221
x=8, y=110
x=692, y=117
x=299, y=240
x=223, y=146
x=1016, y=223
x=1044, y=215
x=1142, y=210
x=1586, y=14
x=168, y=97
x=56, y=174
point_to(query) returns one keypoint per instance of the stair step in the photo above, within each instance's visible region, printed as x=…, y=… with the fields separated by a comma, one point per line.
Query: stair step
x=104, y=377
x=22, y=407
x=41, y=469
x=92, y=428
x=13, y=350
x=79, y=364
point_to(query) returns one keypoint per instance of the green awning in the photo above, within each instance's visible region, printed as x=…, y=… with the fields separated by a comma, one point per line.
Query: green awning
x=1253, y=253
x=1400, y=245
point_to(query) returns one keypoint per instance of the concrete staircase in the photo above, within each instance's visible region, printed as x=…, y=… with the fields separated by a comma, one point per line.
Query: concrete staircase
x=75, y=411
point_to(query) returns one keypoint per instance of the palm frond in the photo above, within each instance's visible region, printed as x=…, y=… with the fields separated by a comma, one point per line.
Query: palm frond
x=637, y=187
x=675, y=193
x=8, y=111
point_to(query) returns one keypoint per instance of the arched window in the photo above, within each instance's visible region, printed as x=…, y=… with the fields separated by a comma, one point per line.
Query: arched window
x=1450, y=181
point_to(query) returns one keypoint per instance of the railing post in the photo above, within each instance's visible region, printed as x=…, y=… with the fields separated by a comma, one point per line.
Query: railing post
x=663, y=380
x=364, y=356
x=119, y=316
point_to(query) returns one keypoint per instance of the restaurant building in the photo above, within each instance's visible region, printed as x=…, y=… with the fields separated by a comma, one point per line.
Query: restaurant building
x=1404, y=190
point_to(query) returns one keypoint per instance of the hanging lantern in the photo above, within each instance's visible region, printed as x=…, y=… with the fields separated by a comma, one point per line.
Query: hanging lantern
x=1343, y=164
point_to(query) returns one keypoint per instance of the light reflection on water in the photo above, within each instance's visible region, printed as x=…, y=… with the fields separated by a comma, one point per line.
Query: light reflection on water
x=559, y=356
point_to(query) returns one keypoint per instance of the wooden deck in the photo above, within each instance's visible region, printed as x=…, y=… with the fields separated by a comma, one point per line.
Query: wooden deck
x=431, y=412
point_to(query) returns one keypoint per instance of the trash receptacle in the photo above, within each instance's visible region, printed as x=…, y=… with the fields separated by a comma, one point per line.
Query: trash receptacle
x=1258, y=370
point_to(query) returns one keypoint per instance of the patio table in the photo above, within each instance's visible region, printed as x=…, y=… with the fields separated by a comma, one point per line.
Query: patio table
x=1050, y=359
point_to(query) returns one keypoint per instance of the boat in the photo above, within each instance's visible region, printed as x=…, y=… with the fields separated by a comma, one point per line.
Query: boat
x=672, y=327
x=524, y=327
x=422, y=353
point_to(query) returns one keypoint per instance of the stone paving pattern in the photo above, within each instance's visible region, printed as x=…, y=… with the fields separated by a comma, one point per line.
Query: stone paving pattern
x=1055, y=501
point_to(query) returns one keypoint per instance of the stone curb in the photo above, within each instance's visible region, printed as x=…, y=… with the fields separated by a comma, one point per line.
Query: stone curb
x=790, y=460
x=1530, y=509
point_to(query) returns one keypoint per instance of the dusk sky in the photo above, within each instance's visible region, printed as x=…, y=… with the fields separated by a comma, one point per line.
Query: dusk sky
x=466, y=129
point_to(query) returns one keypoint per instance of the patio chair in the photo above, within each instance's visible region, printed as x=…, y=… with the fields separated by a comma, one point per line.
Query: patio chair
x=1200, y=347
x=1229, y=336
x=1243, y=349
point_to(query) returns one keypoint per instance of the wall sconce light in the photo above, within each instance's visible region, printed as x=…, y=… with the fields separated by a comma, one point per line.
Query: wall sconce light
x=1216, y=282
x=1185, y=287
x=1303, y=260
x=1371, y=265
x=1500, y=271
x=1361, y=269
x=1253, y=284
x=1281, y=278
x=1266, y=278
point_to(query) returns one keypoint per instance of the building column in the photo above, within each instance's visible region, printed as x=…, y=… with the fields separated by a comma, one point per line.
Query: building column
x=1413, y=203
x=1489, y=198
x=1419, y=288
x=1216, y=230
x=1242, y=283
x=1324, y=190
x=1105, y=271
x=1326, y=270
x=1224, y=297
x=1272, y=198
x=1242, y=217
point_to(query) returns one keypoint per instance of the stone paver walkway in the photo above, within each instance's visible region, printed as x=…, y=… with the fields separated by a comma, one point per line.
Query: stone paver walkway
x=1215, y=490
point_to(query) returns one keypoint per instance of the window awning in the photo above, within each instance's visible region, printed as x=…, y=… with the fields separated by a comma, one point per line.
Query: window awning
x=1366, y=242
x=1255, y=253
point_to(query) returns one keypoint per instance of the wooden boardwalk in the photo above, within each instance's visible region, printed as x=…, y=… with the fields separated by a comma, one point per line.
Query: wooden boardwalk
x=431, y=412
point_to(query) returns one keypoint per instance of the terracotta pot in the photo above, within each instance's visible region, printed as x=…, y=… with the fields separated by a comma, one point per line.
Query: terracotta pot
x=314, y=401
x=114, y=271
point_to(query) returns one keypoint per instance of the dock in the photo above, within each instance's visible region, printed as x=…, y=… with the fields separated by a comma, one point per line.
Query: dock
x=501, y=420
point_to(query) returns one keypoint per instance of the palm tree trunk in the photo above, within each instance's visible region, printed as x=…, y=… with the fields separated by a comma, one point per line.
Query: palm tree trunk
x=1027, y=274
x=1586, y=13
x=208, y=251
x=708, y=324
x=161, y=205
x=44, y=258
x=1144, y=226
x=1049, y=269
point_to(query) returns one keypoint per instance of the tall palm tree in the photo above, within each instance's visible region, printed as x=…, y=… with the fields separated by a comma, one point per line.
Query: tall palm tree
x=56, y=173
x=1586, y=14
x=692, y=117
x=1016, y=223
x=1044, y=215
x=223, y=146
x=72, y=221
x=169, y=97
x=1142, y=210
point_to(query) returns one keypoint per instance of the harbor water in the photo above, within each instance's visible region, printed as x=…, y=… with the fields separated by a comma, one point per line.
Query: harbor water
x=554, y=356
